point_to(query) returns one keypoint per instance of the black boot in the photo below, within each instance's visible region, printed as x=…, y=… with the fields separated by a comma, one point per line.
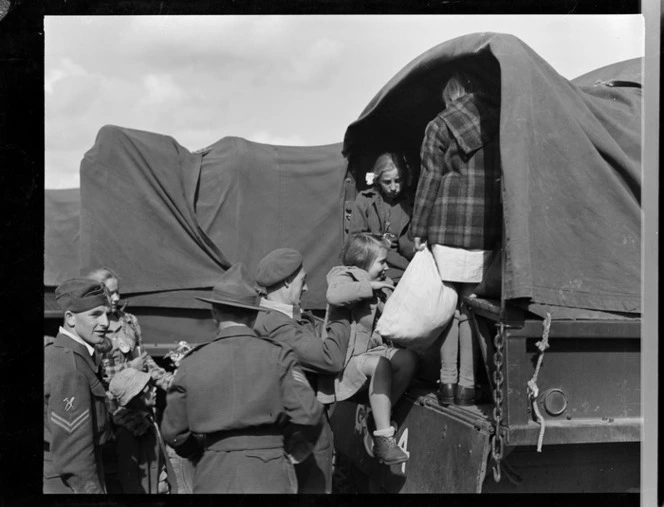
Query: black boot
x=446, y=393
x=465, y=396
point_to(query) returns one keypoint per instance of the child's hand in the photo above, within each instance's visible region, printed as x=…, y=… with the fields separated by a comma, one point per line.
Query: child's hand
x=381, y=284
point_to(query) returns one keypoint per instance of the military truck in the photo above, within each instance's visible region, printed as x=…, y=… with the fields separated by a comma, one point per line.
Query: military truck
x=169, y=221
x=558, y=317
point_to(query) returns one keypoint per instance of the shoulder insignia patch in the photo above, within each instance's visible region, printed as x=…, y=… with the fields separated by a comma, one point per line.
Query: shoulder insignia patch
x=69, y=403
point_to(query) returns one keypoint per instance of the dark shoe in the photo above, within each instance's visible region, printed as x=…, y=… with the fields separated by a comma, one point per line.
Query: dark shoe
x=465, y=396
x=388, y=451
x=368, y=434
x=446, y=394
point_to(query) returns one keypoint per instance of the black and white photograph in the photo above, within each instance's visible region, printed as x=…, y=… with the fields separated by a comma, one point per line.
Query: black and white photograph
x=347, y=254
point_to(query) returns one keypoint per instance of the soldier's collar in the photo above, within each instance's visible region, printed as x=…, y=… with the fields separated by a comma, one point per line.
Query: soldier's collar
x=77, y=339
x=288, y=310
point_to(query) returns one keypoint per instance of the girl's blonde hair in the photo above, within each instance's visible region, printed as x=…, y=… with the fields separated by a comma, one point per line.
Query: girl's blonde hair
x=362, y=248
x=102, y=274
x=457, y=86
x=384, y=163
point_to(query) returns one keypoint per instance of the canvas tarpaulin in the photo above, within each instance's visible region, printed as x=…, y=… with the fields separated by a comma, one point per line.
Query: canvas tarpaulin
x=62, y=210
x=571, y=163
x=171, y=221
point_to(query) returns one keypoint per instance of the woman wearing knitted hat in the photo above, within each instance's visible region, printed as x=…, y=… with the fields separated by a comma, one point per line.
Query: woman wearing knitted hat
x=143, y=463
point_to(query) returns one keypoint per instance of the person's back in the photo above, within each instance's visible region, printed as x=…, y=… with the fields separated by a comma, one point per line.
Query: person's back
x=244, y=381
x=234, y=400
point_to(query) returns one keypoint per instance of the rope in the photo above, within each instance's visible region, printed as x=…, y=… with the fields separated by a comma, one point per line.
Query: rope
x=533, y=390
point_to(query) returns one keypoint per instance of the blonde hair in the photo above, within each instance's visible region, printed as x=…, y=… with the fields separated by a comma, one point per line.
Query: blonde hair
x=102, y=274
x=457, y=86
x=362, y=248
x=384, y=163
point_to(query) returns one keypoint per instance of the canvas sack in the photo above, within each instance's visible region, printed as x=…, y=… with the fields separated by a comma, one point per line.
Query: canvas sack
x=420, y=307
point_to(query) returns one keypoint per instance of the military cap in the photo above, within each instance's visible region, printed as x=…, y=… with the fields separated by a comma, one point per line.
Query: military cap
x=80, y=295
x=127, y=383
x=235, y=288
x=278, y=265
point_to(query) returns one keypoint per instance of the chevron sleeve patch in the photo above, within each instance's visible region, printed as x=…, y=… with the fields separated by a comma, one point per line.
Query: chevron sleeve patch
x=299, y=377
x=70, y=426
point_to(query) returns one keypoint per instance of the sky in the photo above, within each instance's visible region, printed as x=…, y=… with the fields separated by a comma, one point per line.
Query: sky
x=283, y=80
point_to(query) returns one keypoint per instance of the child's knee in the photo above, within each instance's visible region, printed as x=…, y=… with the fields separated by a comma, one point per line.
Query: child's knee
x=405, y=358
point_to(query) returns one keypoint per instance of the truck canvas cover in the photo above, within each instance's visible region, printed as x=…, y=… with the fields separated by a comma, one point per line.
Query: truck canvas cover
x=62, y=209
x=571, y=162
x=170, y=221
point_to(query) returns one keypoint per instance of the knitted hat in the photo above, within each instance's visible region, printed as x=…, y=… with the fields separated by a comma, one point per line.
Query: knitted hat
x=128, y=383
x=235, y=288
x=278, y=265
x=80, y=295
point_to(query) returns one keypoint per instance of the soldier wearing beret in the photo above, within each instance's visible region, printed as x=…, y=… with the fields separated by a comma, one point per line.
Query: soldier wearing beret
x=76, y=422
x=283, y=277
x=238, y=403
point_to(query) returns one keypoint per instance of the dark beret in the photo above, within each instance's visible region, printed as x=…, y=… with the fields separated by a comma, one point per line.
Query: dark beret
x=278, y=265
x=80, y=295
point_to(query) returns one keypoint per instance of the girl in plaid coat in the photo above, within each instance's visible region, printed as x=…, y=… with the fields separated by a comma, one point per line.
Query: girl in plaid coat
x=458, y=213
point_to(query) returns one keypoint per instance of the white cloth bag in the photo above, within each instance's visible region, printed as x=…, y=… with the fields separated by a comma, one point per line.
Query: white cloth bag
x=420, y=307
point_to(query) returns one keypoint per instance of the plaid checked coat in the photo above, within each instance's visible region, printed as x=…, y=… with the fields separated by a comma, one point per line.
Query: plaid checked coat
x=457, y=202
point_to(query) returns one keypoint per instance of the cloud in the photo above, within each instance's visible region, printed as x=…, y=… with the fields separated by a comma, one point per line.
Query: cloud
x=315, y=64
x=283, y=80
x=64, y=70
x=161, y=88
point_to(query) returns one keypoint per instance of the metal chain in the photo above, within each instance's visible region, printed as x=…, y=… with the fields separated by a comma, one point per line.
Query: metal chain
x=497, y=444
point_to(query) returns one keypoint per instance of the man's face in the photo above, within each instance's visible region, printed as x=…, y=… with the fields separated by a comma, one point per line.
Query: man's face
x=297, y=287
x=90, y=325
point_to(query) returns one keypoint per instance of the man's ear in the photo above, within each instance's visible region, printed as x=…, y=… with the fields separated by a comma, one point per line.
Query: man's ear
x=70, y=318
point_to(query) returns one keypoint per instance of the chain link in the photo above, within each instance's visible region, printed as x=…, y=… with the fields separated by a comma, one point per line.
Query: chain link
x=498, y=444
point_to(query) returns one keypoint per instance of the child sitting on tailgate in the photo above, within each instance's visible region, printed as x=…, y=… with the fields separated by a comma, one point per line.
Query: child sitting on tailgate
x=362, y=286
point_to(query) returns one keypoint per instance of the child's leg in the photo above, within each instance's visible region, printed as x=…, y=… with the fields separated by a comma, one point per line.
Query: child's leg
x=468, y=346
x=449, y=352
x=404, y=364
x=380, y=371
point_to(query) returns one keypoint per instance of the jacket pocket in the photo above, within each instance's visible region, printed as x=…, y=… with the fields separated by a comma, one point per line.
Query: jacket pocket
x=101, y=414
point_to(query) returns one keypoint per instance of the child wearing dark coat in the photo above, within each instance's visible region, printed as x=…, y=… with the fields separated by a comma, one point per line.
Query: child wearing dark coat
x=143, y=463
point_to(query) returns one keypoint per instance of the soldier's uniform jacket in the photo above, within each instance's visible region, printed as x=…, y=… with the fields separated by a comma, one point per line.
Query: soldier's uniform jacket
x=314, y=354
x=240, y=383
x=75, y=415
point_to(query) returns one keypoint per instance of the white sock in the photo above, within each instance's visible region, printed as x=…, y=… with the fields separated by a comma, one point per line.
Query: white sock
x=387, y=432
